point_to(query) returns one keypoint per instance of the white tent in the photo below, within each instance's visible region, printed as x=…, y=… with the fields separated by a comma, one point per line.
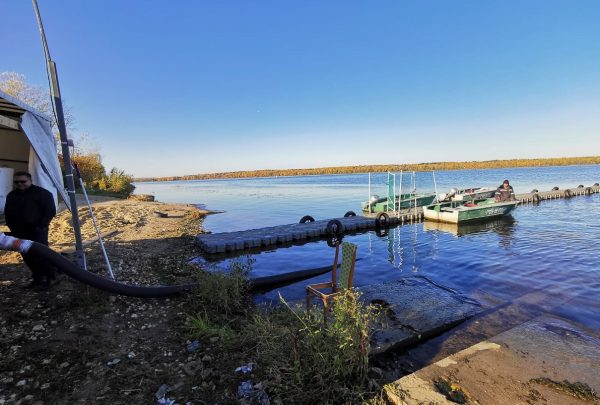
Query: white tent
x=27, y=143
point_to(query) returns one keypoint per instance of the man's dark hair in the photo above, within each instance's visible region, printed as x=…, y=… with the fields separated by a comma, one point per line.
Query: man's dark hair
x=22, y=173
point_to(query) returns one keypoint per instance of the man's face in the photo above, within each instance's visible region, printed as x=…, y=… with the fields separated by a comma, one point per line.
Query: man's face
x=506, y=185
x=22, y=182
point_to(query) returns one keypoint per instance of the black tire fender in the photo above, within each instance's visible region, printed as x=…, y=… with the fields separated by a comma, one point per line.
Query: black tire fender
x=382, y=220
x=333, y=241
x=349, y=214
x=555, y=188
x=381, y=232
x=534, y=191
x=335, y=228
x=306, y=218
x=580, y=186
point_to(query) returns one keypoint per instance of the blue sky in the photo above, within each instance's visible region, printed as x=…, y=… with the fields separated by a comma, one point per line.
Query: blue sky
x=173, y=88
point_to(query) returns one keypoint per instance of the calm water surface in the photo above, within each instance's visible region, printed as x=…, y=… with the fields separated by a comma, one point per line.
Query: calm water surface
x=554, y=246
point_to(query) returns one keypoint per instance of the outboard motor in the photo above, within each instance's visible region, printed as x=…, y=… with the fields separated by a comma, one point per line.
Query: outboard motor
x=448, y=197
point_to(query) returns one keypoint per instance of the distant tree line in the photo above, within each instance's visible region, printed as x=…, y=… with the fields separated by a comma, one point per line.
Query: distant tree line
x=417, y=167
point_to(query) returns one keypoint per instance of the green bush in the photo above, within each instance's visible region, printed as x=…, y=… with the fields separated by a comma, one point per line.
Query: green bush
x=221, y=294
x=118, y=182
x=304, y=358
x=94, y=176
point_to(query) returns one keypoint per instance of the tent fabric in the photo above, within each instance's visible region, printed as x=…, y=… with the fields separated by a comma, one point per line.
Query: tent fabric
x=43, y=158
x=43, y=162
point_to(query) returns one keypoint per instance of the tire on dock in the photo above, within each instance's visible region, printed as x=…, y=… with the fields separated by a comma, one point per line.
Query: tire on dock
x=382, y=220
x=335, y=228
x=534, y=191
x=306, y=218
x=333, y=241
x=555, y=188
x=349, y=214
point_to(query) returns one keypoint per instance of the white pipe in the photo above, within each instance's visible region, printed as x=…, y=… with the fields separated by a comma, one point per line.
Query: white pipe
x=400, y=194
x=369, y=197
x=394, y=200
x=415, y=190
x=435, y=187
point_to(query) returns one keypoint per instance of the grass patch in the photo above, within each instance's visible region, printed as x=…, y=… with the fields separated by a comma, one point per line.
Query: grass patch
x=203, y=326
x=303, y=358
x=221, y=295
x=298, y=356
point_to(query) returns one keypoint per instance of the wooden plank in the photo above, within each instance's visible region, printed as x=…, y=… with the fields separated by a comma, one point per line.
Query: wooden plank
x=88, y=242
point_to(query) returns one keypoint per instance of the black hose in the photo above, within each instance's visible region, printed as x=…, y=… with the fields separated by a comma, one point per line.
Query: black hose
x=101, y=283
x=72, y=270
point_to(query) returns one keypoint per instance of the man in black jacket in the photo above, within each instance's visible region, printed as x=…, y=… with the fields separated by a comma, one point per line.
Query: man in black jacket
x=505, y=192
x=28, y=212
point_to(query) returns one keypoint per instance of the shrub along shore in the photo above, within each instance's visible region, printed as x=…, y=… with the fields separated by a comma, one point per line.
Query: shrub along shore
x=418, y=167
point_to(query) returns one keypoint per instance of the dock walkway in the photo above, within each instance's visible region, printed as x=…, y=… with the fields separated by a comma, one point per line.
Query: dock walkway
x=227, y=242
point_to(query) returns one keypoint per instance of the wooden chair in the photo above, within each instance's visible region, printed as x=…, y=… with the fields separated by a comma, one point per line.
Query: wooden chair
x=336, y=286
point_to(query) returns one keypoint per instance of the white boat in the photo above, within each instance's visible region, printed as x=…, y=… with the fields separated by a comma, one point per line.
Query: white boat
x=457, y=212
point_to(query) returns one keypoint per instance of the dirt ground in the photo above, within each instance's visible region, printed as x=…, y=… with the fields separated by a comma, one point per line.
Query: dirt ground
x=74, y=344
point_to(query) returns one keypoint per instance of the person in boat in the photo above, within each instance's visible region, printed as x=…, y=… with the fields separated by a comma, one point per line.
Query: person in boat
x=28, y=212
x=505, y=192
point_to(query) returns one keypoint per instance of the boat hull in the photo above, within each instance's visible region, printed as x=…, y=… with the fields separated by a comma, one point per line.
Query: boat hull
x=461, y=213
x=407, y=201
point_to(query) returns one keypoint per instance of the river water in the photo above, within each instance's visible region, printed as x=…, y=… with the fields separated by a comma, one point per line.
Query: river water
x=552, y=247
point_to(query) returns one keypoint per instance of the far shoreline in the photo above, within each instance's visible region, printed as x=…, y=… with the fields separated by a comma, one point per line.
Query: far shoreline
x=364, y=169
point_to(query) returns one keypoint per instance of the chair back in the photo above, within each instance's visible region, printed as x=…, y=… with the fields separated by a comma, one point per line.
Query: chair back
x=346, y=278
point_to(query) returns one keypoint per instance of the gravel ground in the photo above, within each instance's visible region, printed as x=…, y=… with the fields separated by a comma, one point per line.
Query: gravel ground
x=73, y=344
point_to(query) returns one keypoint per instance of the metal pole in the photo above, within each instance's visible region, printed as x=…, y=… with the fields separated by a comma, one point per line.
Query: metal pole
x=400, y=195
x=369, y=197
x=62, y=130
x=415, y=191
x=435, y=187
x=110, y=272
x=394, y=192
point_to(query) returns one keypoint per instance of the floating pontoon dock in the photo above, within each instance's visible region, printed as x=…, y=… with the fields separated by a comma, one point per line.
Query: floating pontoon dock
x=227, y=242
